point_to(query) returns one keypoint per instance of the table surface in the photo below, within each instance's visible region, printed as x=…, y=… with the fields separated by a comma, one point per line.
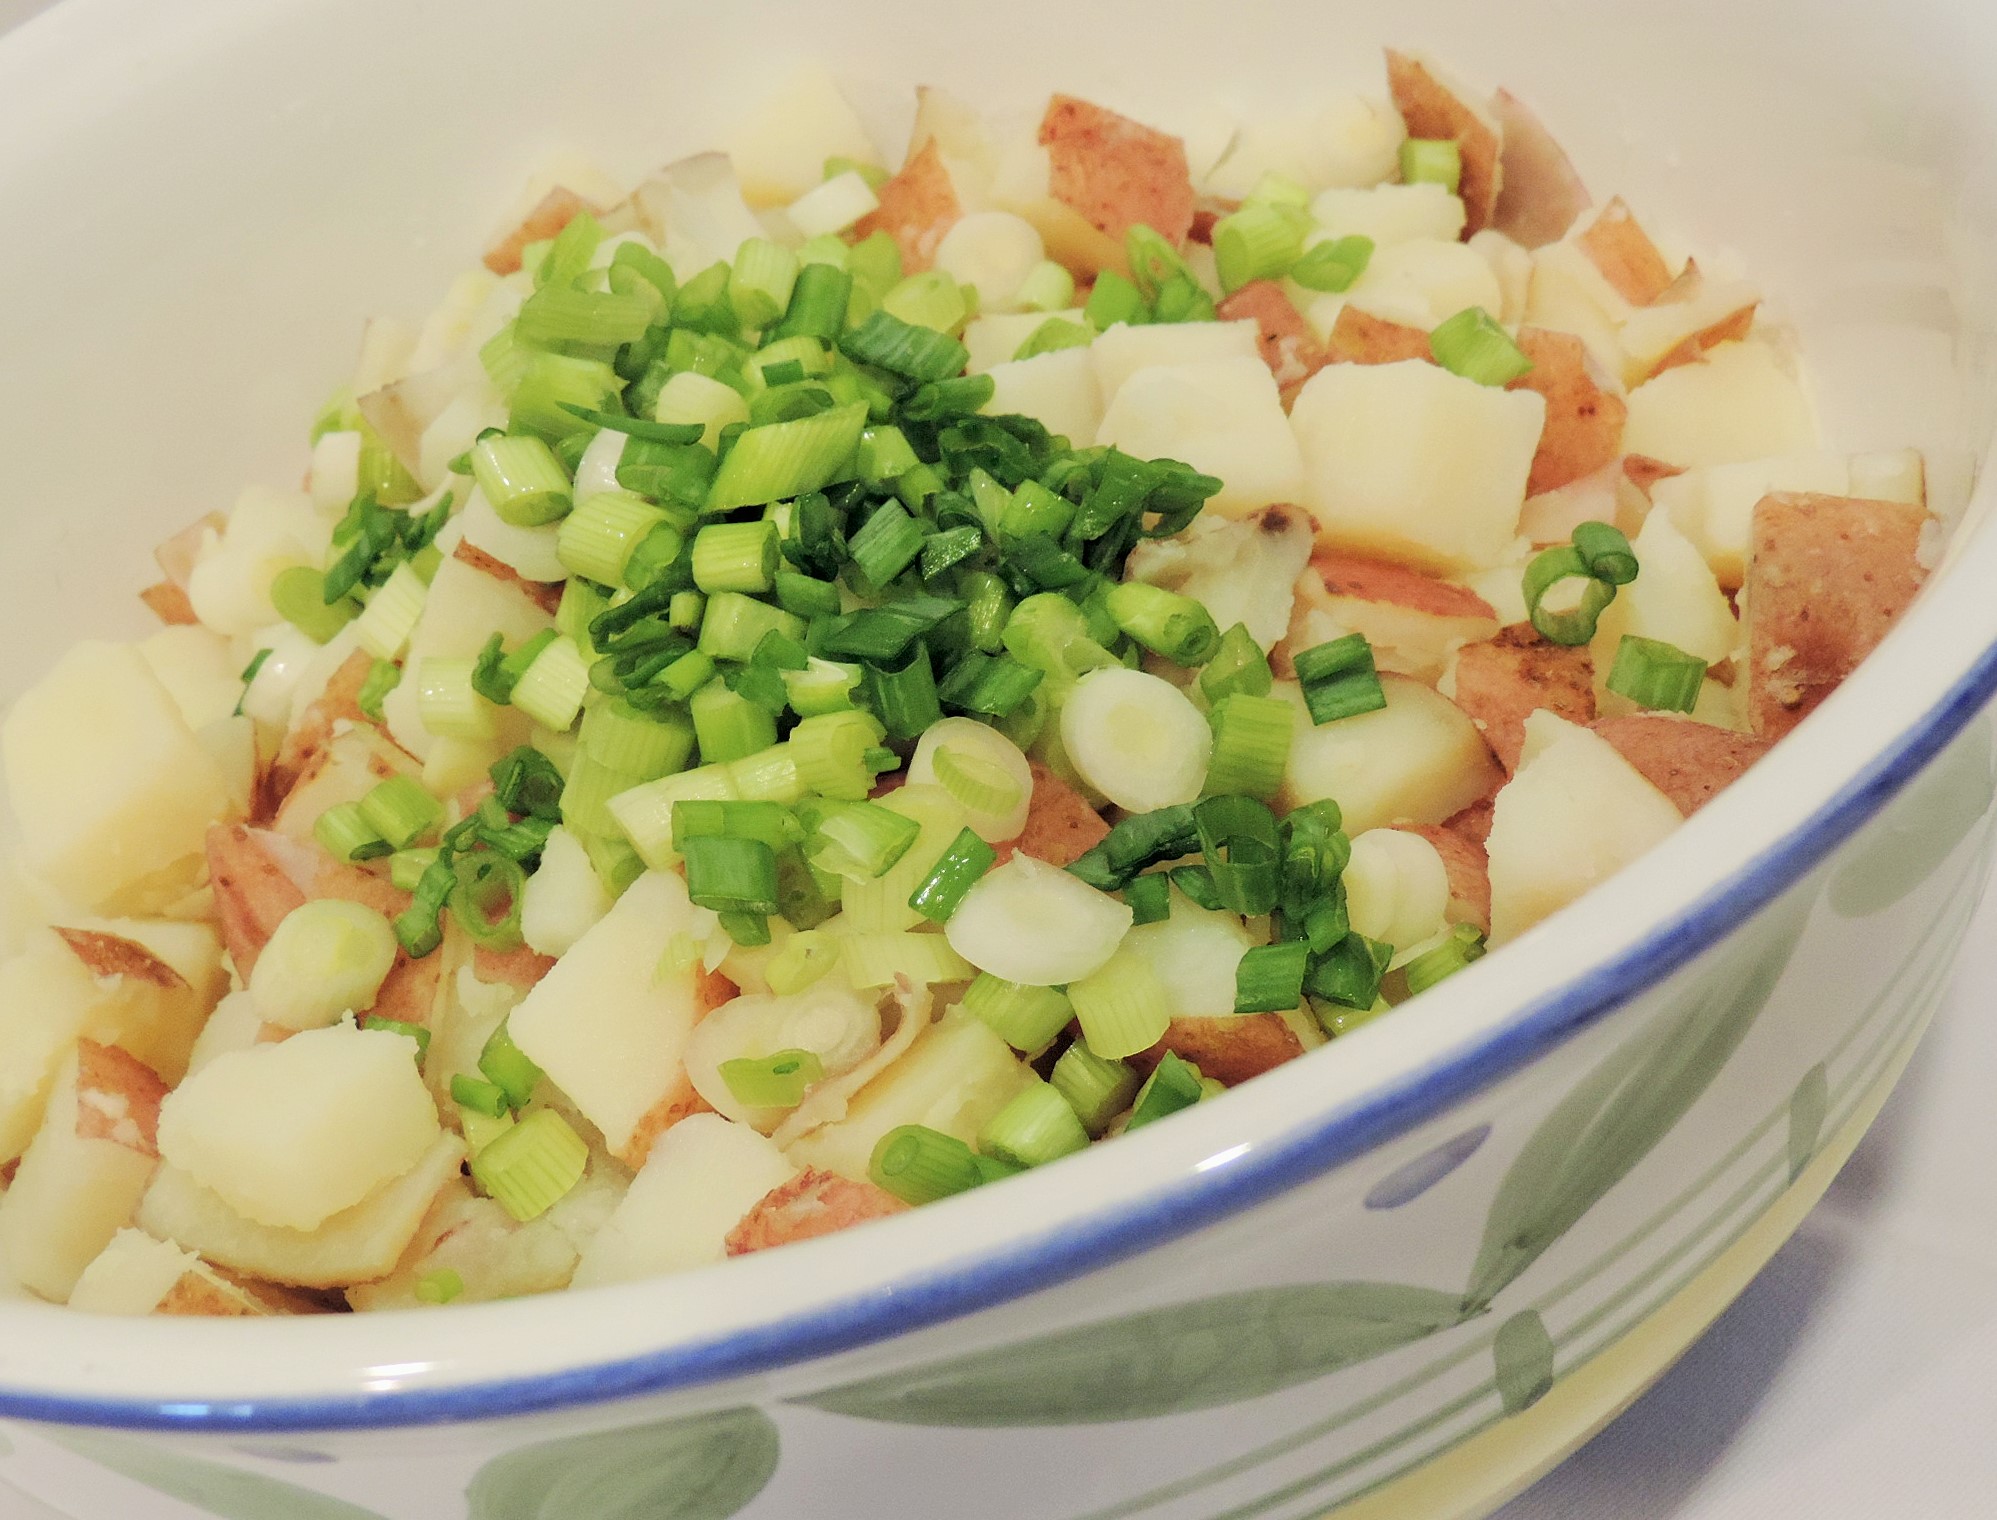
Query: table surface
x=1851, y=1379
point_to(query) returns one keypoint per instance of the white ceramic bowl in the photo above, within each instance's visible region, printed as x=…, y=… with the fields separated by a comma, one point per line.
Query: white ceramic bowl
x=1401, y=1275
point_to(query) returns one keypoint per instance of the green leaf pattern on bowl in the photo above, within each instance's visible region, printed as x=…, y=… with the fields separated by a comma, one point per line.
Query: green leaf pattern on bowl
x=1920, y=828
x=1809, y=1105
x=227, y=1492
x=708, y=1467
x=1523, y=1356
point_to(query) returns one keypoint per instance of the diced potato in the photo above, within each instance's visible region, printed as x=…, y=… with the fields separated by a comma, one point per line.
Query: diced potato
x=1827, y=576
x=1231, y=1047
x=155, y=981
x=46, y=997
x=1736, y=403
x=112, y=790
x=955, y=1077
x=1061, y=824
x=450, y=325
x=84, y=1173
x=810, y=1205
x=1674, y=598
x=703, y=1175
x=1193, y=952
x=136, y=1275
x=1568, y=294
x=1584, y=421
x=199, y=671
x=1244, y=571
x=1389, y=214
x=545, y=217
x=564, y=899
x=1413, y=621
x=327, y=700
x=1469, y=872
x=1354, y=336
x=693, y=212
x=1540, y=195
x=1421, y=282
x=1223, y=417
x=350, y=765
x=1511, y=266
x=781, y=146
x=1889, y=475
x=917, y=207
x=1124, y=350
x=994, y=337
x=1115, y=172
x=1500, y=681
x=1624, y=255
x=1714, y=507
x=1058, y=390
x=465, y=607
x=493, y=1255
x=1351, y=141
x=290, y=1134
x=1575, y=814
x=1288, y=346
x=1687, y=760
x=1411, y=463
x=234, y=1025
x=1692, y=316
x=358, y=1244
x=609, y=1024
x=266, y=532
x=1435, y=106
x=1419, y=759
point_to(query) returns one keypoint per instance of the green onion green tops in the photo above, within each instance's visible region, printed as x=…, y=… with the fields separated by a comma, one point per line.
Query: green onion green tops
x=1600, y=559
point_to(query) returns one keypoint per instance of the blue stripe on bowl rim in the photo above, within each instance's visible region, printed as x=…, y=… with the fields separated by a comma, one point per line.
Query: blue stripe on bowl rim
x=1191, y=1203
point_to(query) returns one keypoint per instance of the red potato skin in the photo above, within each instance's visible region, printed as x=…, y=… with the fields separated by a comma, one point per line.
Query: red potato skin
x=917, y=206
x=1690, y=762
x=810, y=1205
x=551, y=214
x=547, y=595
x=1230, y=1049
x=519, y=967
x=1584, y=423
x=711, y=990
x=1431, y=110
x=305, y=745
x=113, y=955
x=1827, y=576
x=1502, y=681
x=1288, y=346
x=1469, y=871
x=1473, y=823
x=1379, y=580
x=1117, y=173
x=1358, y=337
x=1733, y=326
x=169, y=604
x=114, y=1088
x=1625, y=255
x=1643, y=472
x=1540, y=194
x=1061, y=827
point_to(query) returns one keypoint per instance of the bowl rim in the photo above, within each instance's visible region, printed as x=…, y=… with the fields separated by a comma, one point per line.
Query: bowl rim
x=1177, y=1179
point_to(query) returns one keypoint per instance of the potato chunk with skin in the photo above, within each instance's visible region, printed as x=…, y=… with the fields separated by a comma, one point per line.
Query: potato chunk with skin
x=1584, y=422
x=1061, y=826
x=609, y=1024
x=1624, y=254
x=1409, y=462
x=780, y=148
x=1125, y=350
x=1690, y=762
x=1245, y=571
x=1116, y=172
x=112, y=789
x=292, y=1133
x=1359, y=337
x=1412, y=620
x=810, y=1205
x=1826, y=578
x=1503, y=680
x=1714, y=507
x=1575, y=814
x=1736, y=403
x=1540, y=194
x=1224, y=417
x=1469, y=873
x=156, y=982
x=703, y=1175
x=1230, y=1047
x=1433, y=107
x=1287, y=344
x=85, y=1171
x=135, y=1274
x=918, y=205
x=1058, y=390
x=1419, y=759
x=1674, y=598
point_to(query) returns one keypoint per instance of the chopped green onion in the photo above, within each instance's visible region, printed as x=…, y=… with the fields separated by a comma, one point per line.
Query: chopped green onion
x=967, y=859
x=1238, y=837
x=1338, y=679
x=496, y=673
x=1464, y=944
x=1174, y=1084
x=1048, y=286
x=1122, y=1008
x=1270, y=978
x=993, y=686
x=686, y=610
x=439, y=1287
x=734, y=625
x=1150, y=898
x=508, y=1068
x=1164, y=622
x=823, y=686
x=478, y=1095
x=832, y=750
x=1036, y=1127
x=415, y=1032
x=1431, y=161
x=569, y=253
x=944, y=551
x=990, y=607
x=1333, y=264
x=299, y=595
x=1251, y=745
x=885, y=452
x=1033, y=509
x=782, y=459
x=391, y=615
x=860, y=840
x=1097, y=1090
x=1114, y=299
x=406, y=867
x=1238, y=665
x=875, y=261
x=731, y=875
x=344, y=832
x=594, y=318
x=940, y=400
x=521, y=479
x=1053, y=335
x=418, y=927
x=881, y=958
x=1606, y=552
x=774, y=1081
x=806, y=596
x=918, y=351
x=526, y=782
x=817, y=301
x=979, y=783
x=904, y=697
x=760, y=283
x=448, y=704
x=920, y=1165
x=551, y=689
x=622, y=738
x=1026, y=1018
x=485, y=899
x=1656, y=675
x=736, y=556
x=1473, y=345
x=1258, y=242
x=400, y=811
x=1182, y=299
x=1349, y=974
x=728, y=818
x=930, y=299
x=598, y=539
x=1599, y=555
x=886, y=544
x=1153, y=261
x=662, y=431
x=533, y=1166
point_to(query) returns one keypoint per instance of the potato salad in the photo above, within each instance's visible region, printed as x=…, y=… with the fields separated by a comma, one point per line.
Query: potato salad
x=806, y=688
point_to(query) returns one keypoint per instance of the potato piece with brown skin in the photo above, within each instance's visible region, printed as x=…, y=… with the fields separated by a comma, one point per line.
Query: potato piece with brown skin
x=1412, y=620
x=1643, y=472
x=1230, y=1049
x=1076, y=243
x=811, y=1204
x=175, y=556
x=309, y=736
x=917, y=206
x=169, y=604
x=1618, y=247
x=711, y=989
x=1359, y=337
x=547, y=595
x=550, y=215
x=1502, y=680
x=1473, y=823
x=1730, y=326
x=1061, y=827
x=117, y=1098
x=1468, y=867
x=345, y=769
x=1288, y=346
x=1540, y=194
x=1826, y=577
x=1116, y=172
x=519, y=967
x=1584, y=422
x=253, y=893
x=1432, y=110
x=1688, y=761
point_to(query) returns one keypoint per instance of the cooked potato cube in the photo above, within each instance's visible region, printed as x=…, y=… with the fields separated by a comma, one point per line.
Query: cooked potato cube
x=811, y=1204
x=1061, y=826
x=1433, y=106
x=1124, y=350
x=1115, y=172
x=917, y=207
x=136, y=1274
x=1229, y=1047
x=1390, y=213
x=1735, y=403
x=1714, y=507
x=1502, y=680
x=1539, y=195
x=1624, y=255
x=156, y=981
x=1689, y=761
x=1059, y=390
x=1469, y=871
x=1584, y=422
x=1419, y=759
x=1413, y=621
x=781, y=146
x=1422, y=282
x=1223, y=417
x=1287, y=344
x=1674, y=598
